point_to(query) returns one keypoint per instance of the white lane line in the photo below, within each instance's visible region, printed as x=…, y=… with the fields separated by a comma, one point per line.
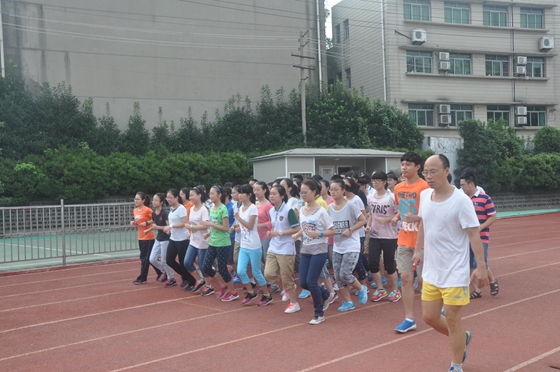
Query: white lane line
x=534, y=360
x=68, y=278
x=62, y=289
x=521, y=254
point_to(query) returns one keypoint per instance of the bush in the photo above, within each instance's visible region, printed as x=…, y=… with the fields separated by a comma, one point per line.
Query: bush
x=547, y=140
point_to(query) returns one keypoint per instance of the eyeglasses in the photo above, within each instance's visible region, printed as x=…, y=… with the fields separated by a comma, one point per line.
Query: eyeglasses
x=304, y=193
x=431, y=172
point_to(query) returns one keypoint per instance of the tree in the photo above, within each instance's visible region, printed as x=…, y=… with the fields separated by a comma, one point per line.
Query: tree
x=547, y=140
x=108, y=134
x=136, y=138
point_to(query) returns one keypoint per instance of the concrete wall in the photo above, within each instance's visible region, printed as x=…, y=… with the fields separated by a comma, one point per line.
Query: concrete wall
x=269, y=170
x=173, y=55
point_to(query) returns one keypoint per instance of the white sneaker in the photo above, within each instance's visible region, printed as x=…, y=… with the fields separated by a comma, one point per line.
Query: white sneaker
x=317, y=320
x=285, y=296
x=292, y=308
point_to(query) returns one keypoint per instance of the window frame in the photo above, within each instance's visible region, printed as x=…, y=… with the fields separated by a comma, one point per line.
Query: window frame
x=527, y=13
x=463, y=58
x=531, y=62
x=497, y=10
x=497, y=59
x=538, y=113
x=427, y=111
x=454, y=7
x=465, y=110
x=346, y=29
x=337, y=33
x=416, y=56
x=501, y=110
x=418, y=10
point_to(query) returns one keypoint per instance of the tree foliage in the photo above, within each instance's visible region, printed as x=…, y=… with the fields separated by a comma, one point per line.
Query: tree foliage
x=547, y=140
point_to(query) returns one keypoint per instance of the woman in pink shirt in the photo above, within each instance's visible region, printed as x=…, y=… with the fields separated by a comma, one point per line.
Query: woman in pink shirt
x=262, y=192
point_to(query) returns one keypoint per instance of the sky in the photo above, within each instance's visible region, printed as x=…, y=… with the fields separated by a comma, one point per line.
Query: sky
x=328, y=24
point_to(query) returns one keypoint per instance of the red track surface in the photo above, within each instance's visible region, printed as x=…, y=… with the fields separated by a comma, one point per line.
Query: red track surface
x=91, y=318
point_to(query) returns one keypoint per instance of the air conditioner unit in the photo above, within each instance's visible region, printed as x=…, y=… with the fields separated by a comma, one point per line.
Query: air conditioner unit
x=443, y=56
x=444, y=109
x=521, y=61
x=520, y=70
x=445, y=119
x=546, y=43
x=418, y=37
x=521, y=121
x=521, y=110
x=444, y=66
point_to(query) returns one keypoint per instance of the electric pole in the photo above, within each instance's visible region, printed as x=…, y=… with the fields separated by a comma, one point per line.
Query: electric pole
x=302, y=68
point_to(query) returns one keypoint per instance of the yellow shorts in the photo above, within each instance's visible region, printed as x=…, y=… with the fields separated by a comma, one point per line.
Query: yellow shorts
x=456, y=296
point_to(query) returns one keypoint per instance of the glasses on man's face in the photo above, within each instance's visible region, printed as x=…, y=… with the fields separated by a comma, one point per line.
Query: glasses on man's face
x=431, y=172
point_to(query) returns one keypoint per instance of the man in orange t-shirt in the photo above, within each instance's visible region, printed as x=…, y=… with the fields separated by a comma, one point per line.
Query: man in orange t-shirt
x=407, y=198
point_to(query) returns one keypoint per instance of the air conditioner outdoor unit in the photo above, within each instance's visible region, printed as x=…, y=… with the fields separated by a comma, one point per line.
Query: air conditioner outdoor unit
x=546, y=43
x=521, y=110
x=521, y=121
x=520, y=70
x=444, y=109
x=445, y=119
x=443, y=56
x=444, y=66
x=521, y=61
x=418, y=37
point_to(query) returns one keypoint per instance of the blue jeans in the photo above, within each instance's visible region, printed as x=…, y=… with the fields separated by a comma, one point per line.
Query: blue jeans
x=310, y=266
x=254, y=256
x=192, y=252
x=473, y=258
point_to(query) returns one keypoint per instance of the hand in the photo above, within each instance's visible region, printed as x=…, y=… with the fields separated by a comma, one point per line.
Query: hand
x=367, y=229
x=295, y=237
x=416, y=260
x=346, y=233
x=479, y=277
x=394, y=221
x=206, y=235
x=132, y=223
x=167, y=229
x=313, y=234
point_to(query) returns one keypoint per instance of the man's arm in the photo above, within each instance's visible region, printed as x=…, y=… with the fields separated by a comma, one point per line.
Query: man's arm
x=491, y=219
x=479, y=275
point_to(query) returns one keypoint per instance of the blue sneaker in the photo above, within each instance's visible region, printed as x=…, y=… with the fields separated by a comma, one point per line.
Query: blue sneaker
x=399, y=282
x=235, y=279
x=383, y=280
x=443, y=311
x=304, y=293
x=347, y=305
x=406, y=326
x=453, y=369
x=374, y=284
x=469, y=338
x=362, y=295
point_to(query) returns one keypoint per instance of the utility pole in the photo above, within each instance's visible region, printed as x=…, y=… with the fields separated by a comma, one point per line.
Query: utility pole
x=302, y=68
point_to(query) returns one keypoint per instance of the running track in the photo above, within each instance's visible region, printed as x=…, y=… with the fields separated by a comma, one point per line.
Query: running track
x=91, y=318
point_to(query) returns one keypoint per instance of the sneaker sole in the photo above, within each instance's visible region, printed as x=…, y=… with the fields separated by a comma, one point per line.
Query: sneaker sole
x=379, y=299
x=208, y=294
x=348, y=309
x=248, y=302
x=229, y=299
x=291, y=311
x=406, y=330
x=397, y=300
x=170, y=285
x=315, y=322
x=265, y=303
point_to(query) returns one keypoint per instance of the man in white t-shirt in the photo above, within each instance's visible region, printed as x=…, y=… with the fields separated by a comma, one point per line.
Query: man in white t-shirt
x=449, y=222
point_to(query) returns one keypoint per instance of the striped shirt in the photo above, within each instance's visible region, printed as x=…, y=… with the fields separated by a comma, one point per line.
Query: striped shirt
x=484, y=207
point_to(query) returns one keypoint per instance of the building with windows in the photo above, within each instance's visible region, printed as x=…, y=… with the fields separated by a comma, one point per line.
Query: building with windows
x=446, y=61
x=169, y=54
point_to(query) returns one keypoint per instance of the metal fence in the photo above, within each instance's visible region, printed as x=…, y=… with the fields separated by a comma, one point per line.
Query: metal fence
x=62, y=231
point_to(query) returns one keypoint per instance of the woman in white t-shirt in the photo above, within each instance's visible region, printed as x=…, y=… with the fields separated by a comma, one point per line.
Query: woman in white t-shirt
x=347, y=219
x=293, y=203
x=198, y=244
x=250, y=249
x=316, y=227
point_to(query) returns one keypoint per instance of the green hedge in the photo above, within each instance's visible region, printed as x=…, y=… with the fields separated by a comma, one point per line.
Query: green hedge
x=81, y=174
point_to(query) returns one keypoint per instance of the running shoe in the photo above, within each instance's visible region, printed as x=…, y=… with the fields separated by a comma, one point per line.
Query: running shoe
x=334, y=298
x=362, y=295
x=304, y=293
x=207, y=291
x=317, y=320
x=453, y=369
x=249, y=297
x=347, y=305
x=335, y=287
x=374, y=284
x=395, y=296
x=328, y=301
x=406, y=326
x=230, y=297
x=383, y=280
x=170, y=283
x=265, y=300
x=285, y=296
x=223, y=292
x=274, y=288
x=399, y=282
x=161, y=277
x=189, y=288
x=379, y=294
x=442, y=311
x=469, y=338
x=292, y=308
x=184, y=283
x=139, y=281
x=235, y=279
x=198, y=286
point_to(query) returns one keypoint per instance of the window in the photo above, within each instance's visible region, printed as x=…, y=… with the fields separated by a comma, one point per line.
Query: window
x=495, y=15
x=422, y=115
x=460, y=113
x=337, y=34
x=418, y=61
x=339, y=76
x=346, y=30
x=457, y=13
x=348, y=78
x=418, y=10
x=497, y=65
x=535, y=67
x=497, y=112
x=536, y=116
x=532, y=18
x=460, y=64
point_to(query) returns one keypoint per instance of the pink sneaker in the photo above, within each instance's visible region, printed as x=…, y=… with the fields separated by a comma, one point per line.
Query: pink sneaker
x=223, y=291
x=230, y=297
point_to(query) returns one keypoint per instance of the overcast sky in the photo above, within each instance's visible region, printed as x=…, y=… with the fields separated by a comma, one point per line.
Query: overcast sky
x=328, y=5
